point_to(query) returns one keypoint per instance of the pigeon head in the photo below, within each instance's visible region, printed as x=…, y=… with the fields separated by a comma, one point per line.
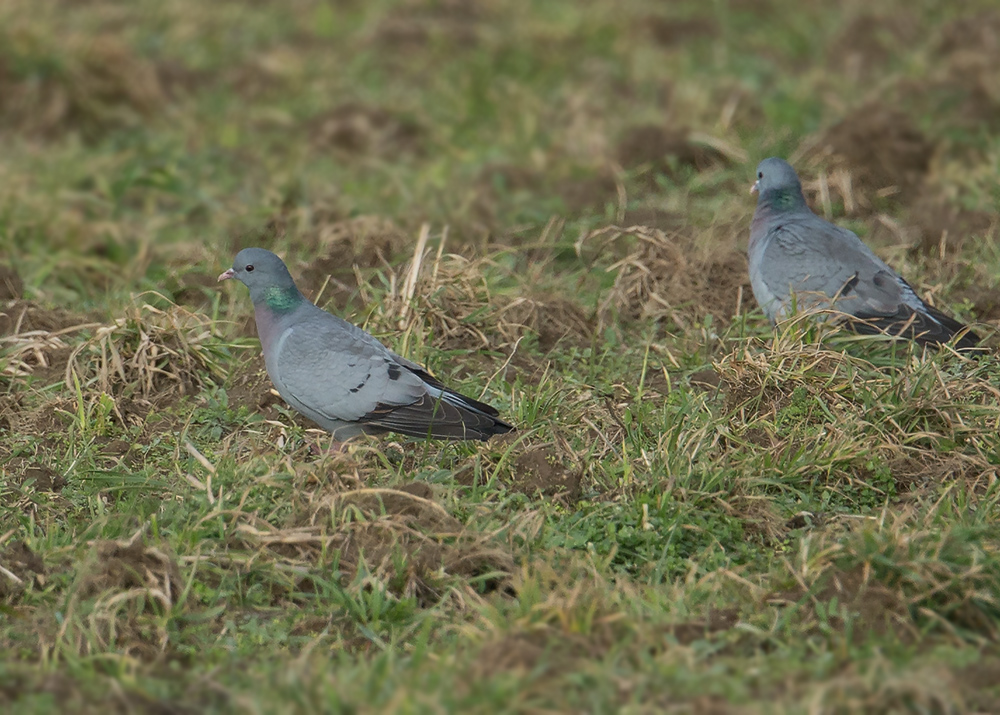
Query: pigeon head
x=267, y=278
x=777, y=184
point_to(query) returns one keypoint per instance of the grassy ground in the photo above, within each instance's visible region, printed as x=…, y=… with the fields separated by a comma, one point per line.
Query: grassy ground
x=696, y=515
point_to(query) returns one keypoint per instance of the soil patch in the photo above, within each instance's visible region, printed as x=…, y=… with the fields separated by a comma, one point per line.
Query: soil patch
x=541, y=470
x=121, y=566
x=43, y=479
x=250, y=387
x=344, y=255
x=883, y=152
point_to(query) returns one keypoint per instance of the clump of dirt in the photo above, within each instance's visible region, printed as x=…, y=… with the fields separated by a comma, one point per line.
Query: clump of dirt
x=11, y=285
x=151, y=353
x=675, y=32
x=869, y=41
x=99, y=85
x=44, y=479
x=20, y=567
x=132, y=584
x=666, y=150
x=882, y=153
x=664, y=275
x=541, y=470
x=361, y=129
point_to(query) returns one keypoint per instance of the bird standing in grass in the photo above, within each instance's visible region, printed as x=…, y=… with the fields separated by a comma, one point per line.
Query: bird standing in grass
x=797, y=258
x=340, y=376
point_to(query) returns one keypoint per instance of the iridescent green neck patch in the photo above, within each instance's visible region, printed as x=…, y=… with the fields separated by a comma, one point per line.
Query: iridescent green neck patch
x=281, y=300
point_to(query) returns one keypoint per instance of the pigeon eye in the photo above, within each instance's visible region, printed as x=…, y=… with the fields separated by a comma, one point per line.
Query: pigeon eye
x=760, y=175
x=249, y=269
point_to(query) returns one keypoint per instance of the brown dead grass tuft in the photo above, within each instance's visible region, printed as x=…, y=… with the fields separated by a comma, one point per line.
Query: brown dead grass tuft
x=149, y=353
x=664, y=275
x=875, y=152
x=101, y=85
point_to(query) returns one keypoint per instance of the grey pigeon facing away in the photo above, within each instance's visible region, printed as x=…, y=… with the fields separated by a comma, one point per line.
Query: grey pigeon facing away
x=340, y=376
x=796, y=255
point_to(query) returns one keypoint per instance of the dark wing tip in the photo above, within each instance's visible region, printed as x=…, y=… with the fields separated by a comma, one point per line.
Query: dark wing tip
x=436, y=418
x=928, y=327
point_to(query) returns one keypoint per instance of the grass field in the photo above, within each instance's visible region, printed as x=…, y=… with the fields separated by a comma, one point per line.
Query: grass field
x=546, y=203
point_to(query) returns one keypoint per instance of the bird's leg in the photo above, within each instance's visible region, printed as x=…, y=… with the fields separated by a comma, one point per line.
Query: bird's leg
x=332, y=448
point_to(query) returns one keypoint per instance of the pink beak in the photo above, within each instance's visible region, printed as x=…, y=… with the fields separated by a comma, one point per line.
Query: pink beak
x=226, y=275
x=753, y=190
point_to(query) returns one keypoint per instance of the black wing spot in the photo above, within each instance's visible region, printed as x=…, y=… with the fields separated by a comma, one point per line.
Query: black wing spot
x=850, y=285
x=394, y=371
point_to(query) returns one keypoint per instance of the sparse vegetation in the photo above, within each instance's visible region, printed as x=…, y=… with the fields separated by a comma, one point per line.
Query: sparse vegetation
x=697, y=515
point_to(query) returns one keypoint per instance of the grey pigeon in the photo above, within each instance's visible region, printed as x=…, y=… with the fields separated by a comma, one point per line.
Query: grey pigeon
x=340, y=376
x=796, y=255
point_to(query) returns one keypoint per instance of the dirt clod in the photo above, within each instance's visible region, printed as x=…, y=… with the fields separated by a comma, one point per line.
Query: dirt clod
x=542, y=471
